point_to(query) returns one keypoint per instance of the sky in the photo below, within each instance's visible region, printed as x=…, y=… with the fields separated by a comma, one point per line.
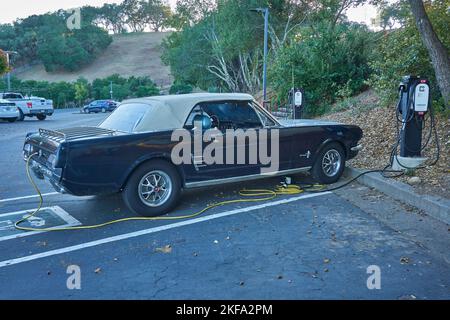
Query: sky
x=23, y=8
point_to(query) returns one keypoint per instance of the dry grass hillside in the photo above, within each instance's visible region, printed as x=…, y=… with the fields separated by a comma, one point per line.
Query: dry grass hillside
x=136, y=54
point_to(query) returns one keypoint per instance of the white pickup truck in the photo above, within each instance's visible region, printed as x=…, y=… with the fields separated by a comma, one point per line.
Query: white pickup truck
x=30, y=106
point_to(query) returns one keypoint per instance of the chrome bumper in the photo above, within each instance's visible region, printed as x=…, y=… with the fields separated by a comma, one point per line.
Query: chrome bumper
x=43, y=173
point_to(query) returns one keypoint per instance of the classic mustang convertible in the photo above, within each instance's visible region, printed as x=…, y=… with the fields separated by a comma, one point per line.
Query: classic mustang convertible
x=134, y=151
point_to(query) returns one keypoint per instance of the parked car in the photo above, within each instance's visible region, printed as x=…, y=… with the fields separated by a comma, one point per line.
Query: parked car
x=131, y=150
x=100, y=106
x=30, y=106
x=8, y=111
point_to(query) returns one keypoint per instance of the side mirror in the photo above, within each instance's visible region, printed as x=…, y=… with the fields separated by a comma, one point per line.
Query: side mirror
x=202, y=121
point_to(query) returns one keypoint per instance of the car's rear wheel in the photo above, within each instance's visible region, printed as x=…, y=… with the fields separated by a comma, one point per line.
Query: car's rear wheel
x=12, y=120
x=330, y=164
x=41, y=117
x=153, y=189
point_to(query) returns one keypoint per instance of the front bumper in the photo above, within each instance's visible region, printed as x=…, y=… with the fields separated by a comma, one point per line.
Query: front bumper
x=354, y=151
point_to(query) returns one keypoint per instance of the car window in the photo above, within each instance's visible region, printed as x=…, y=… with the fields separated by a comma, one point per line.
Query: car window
x=126, y=117
x=267, y=122
x=228, y=115
x=11, y=96
x=190, y=120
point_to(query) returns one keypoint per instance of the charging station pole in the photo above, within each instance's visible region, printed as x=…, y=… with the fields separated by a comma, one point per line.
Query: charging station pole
x=296, y=101
x=413, y=105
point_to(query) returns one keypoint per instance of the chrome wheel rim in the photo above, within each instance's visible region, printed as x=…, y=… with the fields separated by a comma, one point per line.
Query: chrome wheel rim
x=331, y=163
x=155, y=188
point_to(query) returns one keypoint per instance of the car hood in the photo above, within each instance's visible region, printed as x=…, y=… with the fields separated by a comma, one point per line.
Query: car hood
x=306, y=123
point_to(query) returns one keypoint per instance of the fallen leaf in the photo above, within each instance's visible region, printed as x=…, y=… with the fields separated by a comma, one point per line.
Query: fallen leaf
x=166, y=249
x=404, y=260
x=98, y=270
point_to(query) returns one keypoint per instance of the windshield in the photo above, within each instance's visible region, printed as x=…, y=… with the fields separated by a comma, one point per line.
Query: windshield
x=126, y=117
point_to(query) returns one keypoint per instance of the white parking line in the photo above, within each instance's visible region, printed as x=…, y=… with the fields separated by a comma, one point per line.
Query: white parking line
x=153, y=230
x=29, y=197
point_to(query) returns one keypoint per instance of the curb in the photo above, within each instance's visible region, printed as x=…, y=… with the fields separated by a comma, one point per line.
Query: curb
x=436, y=207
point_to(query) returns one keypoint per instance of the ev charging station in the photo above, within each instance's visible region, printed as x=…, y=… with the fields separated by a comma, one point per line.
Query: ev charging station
x=296, y=102
x=414, y=104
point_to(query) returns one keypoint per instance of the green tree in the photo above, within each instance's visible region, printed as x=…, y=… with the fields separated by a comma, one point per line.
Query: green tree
x=4, y=67
x=436, y=49
x=401, y=52
x=157, y=14
x=81, y=91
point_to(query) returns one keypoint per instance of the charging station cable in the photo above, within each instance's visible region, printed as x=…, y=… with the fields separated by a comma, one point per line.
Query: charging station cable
x=249, y=195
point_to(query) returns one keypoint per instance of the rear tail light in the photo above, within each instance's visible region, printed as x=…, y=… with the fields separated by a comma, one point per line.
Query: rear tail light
x=29, y=104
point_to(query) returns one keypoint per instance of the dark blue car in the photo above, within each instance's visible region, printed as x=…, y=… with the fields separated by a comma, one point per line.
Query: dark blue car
x=100, y=106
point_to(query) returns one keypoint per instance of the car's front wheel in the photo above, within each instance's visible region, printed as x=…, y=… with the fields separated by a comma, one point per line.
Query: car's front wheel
x=330, y=164
x=153, y=189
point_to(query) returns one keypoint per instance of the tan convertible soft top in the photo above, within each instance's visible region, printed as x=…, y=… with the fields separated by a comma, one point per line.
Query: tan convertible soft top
x=170, y=112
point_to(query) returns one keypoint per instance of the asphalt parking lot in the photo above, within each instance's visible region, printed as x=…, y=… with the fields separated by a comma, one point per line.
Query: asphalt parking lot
x=307, y=246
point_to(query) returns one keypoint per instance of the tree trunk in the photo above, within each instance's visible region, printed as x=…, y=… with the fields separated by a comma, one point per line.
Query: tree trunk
x=438, y=52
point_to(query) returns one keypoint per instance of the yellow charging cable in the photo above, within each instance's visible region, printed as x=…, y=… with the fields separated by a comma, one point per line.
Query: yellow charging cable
x=251, y=195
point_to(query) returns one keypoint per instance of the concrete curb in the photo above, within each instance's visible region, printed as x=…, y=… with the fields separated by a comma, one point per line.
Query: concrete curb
x=436, y=207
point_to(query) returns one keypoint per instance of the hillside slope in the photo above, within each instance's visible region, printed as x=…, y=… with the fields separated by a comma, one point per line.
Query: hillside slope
x=135, y=54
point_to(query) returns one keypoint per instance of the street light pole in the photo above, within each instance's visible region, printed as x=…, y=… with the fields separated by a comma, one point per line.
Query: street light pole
x=8, y=75
x=265, y=11
x=266, y=40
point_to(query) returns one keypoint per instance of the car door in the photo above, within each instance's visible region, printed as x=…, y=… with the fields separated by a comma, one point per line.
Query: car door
x=305, y=142
x=199, y=168
x=93, y=106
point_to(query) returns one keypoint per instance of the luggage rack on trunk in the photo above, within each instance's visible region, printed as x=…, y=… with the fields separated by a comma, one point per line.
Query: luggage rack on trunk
x=61, y=135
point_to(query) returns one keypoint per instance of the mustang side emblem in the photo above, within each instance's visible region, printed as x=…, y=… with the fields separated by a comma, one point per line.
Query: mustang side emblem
x=306, y=155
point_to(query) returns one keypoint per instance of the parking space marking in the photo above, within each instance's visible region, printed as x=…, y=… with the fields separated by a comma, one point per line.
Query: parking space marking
x=29, y=197
x=59, y=212
x=135, y=234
